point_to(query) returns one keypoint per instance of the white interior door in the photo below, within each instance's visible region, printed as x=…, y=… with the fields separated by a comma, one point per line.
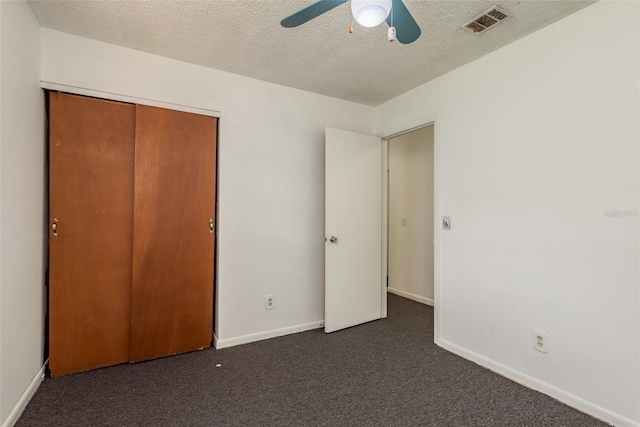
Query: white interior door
x=353, y=229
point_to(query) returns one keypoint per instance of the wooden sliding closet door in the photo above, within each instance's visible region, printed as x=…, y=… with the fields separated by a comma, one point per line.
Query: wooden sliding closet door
x=174, y=213
x=90, y=239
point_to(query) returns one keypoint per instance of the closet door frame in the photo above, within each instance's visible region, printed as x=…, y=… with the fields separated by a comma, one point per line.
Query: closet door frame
x=51, y=87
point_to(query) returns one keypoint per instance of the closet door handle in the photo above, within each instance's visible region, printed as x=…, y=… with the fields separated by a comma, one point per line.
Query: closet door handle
x=54, y=227
x=211, y=226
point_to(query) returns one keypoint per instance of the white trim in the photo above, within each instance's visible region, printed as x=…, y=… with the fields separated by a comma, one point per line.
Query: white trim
x=523, y=379
x=437, y=229
x=259, y=336
x=17, y=410
x=411, y=125
x=385, y=226
x=215, y=341
x=127, y=98
x=413, y=297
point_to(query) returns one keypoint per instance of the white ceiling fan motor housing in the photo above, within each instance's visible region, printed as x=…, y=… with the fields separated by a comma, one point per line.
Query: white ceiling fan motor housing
x=370, y=13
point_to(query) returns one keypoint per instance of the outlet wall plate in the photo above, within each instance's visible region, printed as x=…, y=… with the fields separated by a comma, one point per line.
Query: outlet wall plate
x=540, y=341
x=269, y=302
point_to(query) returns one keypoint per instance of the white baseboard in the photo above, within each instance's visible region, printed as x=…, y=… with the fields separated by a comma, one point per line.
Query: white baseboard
x=523, y=379
x=414, y=297
x=25, y=398
x=244, y=339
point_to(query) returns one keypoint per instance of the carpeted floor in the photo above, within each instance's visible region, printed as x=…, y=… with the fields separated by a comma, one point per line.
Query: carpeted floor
x=384, y=373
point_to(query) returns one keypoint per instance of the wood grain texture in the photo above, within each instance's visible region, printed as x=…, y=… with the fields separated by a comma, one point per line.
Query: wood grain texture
x=91, y=196
x=172, y=293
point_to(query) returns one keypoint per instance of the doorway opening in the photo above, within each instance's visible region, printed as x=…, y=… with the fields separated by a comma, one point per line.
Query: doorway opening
x=356, y=239
x=410, y=195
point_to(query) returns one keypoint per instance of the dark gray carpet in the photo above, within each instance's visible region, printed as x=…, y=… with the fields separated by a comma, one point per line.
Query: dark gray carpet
x=384, y=373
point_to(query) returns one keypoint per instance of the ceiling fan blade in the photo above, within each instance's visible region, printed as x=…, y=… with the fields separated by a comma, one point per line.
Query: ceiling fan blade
x=312, y=11
x=407, y=30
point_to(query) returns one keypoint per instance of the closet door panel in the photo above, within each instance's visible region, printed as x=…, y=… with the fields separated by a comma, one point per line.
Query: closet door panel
x=90, y=252
x=174, y=201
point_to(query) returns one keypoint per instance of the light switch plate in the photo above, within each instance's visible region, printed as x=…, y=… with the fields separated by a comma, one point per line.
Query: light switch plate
x=446, y=222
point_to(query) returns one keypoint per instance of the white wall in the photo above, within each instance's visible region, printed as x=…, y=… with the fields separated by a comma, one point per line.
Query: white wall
x=271, y=174
x=538, y=141
x=22, y=213
x=1, y=417
x=411, y=200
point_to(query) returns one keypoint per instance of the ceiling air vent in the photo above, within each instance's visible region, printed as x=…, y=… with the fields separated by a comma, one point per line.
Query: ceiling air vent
x=486, y=20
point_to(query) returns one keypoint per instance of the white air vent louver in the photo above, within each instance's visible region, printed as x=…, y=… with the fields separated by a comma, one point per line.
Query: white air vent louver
x=486, y=20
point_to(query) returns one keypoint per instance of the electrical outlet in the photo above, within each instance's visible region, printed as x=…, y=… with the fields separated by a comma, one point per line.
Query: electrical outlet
x=269, y=302
x=540, y=341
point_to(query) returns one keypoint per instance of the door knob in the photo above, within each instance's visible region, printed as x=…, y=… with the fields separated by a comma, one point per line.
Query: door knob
x=333, y=239
x=54, y=227
x=211, y=226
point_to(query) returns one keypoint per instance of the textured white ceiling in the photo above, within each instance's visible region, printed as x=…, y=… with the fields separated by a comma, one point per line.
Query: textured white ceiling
x=245, y=37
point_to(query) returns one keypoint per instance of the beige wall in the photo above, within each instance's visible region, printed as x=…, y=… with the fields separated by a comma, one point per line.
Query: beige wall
x=411, y=203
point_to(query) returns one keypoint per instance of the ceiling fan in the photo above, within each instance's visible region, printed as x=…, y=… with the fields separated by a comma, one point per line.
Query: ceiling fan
x=368, y=13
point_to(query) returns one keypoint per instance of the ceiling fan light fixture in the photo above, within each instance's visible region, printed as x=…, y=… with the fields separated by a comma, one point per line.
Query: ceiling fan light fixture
x=370, y=13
